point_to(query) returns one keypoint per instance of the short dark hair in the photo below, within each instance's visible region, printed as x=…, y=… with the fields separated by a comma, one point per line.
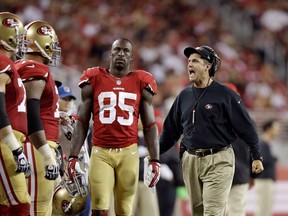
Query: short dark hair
x=124, y=39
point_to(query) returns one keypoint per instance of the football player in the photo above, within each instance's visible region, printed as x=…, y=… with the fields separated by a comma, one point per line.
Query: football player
x=116, y=96
x=42, y=112
x=14, y=197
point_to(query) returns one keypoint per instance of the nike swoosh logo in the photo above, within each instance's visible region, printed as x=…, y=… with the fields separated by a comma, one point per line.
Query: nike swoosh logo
x=30, y=66
x=133, y=152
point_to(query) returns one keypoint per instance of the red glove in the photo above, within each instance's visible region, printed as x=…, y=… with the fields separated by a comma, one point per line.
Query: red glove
x=156, y=170
x=151, y=172
x=74, y=167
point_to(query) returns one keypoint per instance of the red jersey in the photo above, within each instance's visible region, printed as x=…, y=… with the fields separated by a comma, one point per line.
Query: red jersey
x=33, y=70
x=116, y=105
x=15, y=96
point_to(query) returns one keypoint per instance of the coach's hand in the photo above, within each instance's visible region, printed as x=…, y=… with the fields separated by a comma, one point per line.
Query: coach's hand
x=151, y=172
x=257, y=166
x=22, y=163
x=74, y=167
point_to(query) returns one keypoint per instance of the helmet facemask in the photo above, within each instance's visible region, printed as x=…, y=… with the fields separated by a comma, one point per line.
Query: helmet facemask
x=70, y=195
x=77, y=186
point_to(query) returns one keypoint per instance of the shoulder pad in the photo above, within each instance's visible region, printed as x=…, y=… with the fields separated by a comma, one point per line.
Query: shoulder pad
x=87, y=75
x=148, y=80
x=29, y=70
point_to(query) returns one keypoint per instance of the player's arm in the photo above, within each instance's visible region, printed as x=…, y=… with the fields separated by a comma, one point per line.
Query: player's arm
x=82, y=120
x=81, y=130
x=36, y=133
x=6, y=132
x=150, y=130
x=34, y=90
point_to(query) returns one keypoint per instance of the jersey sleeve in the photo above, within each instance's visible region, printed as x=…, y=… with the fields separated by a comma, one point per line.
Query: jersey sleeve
x=148, y=81
x=87, y=75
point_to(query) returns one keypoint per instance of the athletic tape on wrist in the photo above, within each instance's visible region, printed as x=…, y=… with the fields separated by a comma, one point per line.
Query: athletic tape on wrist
x=45, y=151
x=11, y=141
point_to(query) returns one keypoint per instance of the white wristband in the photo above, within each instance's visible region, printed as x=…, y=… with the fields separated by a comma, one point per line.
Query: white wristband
x=47, y=155
x=11, y=141
x=45, y=151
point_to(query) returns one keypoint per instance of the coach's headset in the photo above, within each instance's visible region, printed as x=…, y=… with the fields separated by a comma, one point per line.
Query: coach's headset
x=208, y=54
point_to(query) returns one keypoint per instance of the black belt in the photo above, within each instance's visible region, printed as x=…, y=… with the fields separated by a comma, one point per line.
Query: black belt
x=205, y=152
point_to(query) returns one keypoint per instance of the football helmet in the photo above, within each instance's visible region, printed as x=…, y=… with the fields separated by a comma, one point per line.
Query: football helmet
x=70, y=196
x=12, y=34
x=42, y=39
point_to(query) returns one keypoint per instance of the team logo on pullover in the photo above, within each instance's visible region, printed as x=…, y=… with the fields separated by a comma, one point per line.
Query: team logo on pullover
x=208, y=106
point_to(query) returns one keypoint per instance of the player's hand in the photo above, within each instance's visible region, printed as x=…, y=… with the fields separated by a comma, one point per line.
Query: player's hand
x=257, y=166
x=23, y=164
x=51, y=169
x=74, y=167
x=151, y=172
x=52, y=172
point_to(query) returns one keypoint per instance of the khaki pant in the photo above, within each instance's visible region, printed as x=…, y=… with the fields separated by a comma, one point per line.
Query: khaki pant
x=264, y=189
x=13, y=186
x=146, y=202
x=237, y=200
x=113, y=170
x=41, y=189
x=208, y=181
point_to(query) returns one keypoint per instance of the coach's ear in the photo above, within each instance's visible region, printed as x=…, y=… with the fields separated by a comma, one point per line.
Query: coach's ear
x=208, y=66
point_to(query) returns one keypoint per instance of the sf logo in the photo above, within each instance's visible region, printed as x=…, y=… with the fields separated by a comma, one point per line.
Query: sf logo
x=66, y=207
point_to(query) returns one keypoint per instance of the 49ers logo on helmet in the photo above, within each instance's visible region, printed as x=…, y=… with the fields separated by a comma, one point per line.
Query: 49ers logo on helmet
x=44, y=30
x=65, y=205
x=10, y=22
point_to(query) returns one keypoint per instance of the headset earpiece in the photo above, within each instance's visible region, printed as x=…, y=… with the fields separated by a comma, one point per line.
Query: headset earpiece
x=214, y=58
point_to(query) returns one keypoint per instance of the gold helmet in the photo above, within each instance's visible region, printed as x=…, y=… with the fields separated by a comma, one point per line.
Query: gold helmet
x=12, y=33
x=70, y=196
x=42, y=38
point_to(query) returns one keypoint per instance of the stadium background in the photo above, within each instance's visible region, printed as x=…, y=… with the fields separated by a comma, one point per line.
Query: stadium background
x=251, y=37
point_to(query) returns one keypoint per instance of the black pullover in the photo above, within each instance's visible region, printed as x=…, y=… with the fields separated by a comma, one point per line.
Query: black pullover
x=219, y=116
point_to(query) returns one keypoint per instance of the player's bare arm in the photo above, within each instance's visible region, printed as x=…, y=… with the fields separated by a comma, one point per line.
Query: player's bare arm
x=82, y=124
x=150, y=129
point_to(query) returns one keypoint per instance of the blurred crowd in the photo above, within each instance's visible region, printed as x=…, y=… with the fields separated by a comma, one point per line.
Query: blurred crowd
x=251, y=37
